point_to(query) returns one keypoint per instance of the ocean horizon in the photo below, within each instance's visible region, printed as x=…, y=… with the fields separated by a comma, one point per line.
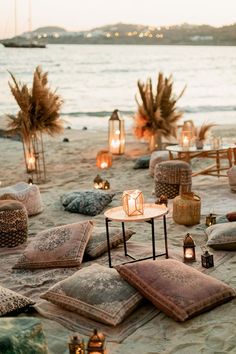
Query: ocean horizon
x=93, y=80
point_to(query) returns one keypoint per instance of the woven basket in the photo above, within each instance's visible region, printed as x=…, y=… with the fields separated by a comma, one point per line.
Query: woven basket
x=187, y=209
x=13, y=223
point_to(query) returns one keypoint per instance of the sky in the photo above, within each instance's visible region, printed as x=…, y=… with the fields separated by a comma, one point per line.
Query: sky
x=78, y=15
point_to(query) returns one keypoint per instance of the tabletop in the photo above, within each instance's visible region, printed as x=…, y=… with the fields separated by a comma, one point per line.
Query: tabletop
x=151, y=211
x=206, y=148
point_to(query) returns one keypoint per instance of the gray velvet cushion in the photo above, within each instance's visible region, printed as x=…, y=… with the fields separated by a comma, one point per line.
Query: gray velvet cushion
x=22, y=335
x=222, y=236
x=10, y=301
x=86, y=202
x=96, y=292
x=97, y=244
x=142, y=162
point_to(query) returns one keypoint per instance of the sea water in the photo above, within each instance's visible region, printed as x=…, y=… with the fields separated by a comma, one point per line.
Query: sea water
x=93, y=80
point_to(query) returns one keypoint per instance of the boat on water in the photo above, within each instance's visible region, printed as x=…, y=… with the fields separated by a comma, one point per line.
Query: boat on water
x=13, y=44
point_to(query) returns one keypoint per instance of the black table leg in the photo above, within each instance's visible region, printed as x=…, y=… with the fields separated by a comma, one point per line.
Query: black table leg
x=153, y=240
x=108, y=243
x=124, y=239
x=165, y=234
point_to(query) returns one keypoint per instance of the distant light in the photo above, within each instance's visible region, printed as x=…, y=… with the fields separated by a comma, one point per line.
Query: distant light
x=141, y=35
x=159, y=35
x=150, y=35
x=45, y=35
x=130, y=34
x=108, y=35
x=89, y=35
x=117, y=34
x=56, y=35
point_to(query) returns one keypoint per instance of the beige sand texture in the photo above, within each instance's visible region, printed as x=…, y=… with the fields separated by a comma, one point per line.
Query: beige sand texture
x=71, y=166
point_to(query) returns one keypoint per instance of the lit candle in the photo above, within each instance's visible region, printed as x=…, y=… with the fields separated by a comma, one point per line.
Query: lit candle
x=185, y=141
x=31, y=163
x=188, y=253
x=104, y=165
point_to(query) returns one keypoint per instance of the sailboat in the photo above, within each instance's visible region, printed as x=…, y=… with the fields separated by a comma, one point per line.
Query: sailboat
x=21, y=42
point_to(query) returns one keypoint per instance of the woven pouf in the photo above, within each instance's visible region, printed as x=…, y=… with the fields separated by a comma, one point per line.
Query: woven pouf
x=187, y=209
x=156, y=157
x=13, y=223
x=173, y=176
x=27, y=194
x=232, y=178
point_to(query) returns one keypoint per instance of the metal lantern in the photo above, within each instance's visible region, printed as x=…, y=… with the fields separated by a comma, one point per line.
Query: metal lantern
x=104, y=159
x=133, y=201
x=210, y=220
x=189, y=249
x=76, y=345
x=116, y=134
x=98, y=182
x=96, y=343
x=207, y=260
x=106, y=185
x=162, y=200
x=30, y=181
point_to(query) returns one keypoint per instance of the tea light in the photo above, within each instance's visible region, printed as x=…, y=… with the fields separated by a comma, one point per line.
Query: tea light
x=104, y=159
x=133, y=201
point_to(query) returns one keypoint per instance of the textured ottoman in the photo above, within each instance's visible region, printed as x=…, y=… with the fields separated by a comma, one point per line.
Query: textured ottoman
x=156, y=157
x=27, y=194
x=172, y=178
x=13, y=223
x=232, y=178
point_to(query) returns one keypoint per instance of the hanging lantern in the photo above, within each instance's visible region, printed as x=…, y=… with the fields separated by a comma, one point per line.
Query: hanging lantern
x=189, y=249
x=210, y=220
x=207, y=260
x=76, y=345
x=96, y=343
x=133, y=202
x=98, y=182
x=104, y=159
x=116, y=134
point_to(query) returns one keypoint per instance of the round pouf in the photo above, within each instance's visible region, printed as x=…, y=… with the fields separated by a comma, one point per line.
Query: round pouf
x=232, y=178
x=157, y=157
x=172, y=178
x=187, y=209
x=13, y=223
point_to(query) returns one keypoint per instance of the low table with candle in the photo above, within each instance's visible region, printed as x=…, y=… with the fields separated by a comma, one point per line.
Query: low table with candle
x=151, y=212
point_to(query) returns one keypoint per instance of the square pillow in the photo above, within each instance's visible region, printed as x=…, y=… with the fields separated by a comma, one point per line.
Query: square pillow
x=62, y=246
x=142, y=162
x=10, y=302
x=87, y=202
x=222, y=236
x=96, y=292
x=97, y=244
x=180, y=291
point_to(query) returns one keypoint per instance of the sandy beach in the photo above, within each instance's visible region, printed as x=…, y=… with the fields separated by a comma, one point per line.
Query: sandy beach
x=71, y=166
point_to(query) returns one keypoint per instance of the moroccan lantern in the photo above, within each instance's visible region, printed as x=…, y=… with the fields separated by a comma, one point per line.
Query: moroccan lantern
x=31, y=163
x=106, y=185
x=96, y=343
x=133, y=202
x=76, y=345
x=116, y=134
x=210, y=220
x=207, y=260
x=104, y=159
x=98, y=182
x=189, y=249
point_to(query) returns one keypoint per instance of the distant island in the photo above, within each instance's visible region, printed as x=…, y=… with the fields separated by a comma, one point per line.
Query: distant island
x=121, y=33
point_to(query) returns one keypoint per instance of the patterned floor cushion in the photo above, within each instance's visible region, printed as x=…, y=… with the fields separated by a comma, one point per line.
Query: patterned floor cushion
x=222, y=236
x=12, y=302
x=27, y=194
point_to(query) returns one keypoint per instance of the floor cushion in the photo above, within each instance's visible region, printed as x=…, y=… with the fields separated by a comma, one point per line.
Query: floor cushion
x=96, y=292
x=13, y=223
x=222, y=236
x=179, y=290
x=97, y=244
x=22, y=335
x=142, y=162
x=156, y=157
x=86, y=202
x=231, y=216
x=27, y=194
x=61, y=246
x=12, y=302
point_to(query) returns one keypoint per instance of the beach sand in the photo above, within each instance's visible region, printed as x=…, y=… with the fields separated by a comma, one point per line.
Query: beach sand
x=71, y=166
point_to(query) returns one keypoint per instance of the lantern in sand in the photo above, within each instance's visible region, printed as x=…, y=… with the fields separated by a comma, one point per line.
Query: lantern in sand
x=116, y=134
x=207, y=259
x=133, y=202
x=76, y=345
x=189, y=249
x=96, y=343
x=210, y=220
x=104, y=159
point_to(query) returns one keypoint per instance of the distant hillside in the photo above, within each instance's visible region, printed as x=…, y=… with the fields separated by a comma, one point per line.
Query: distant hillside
x=121, y=33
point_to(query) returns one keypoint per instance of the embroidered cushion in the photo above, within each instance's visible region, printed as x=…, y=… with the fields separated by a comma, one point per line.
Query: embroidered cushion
x=87, y=202
x=222, y=236
x=22, y=335
x=142, y=162
x=97, y=244
x=178, y=290
x=10, y=301
x=61, y=246
x=231, y=216
x=96, y=292
x=28, y=195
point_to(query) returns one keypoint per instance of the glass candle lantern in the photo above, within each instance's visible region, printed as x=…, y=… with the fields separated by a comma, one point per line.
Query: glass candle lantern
x=133, y=202
x=189, y=249
x=104, y=159
x=76, y=345
x=210, y=220
x=185, y=140
x=207, y=260
x=96, y=343
x=116, y=134
x=31, y=163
